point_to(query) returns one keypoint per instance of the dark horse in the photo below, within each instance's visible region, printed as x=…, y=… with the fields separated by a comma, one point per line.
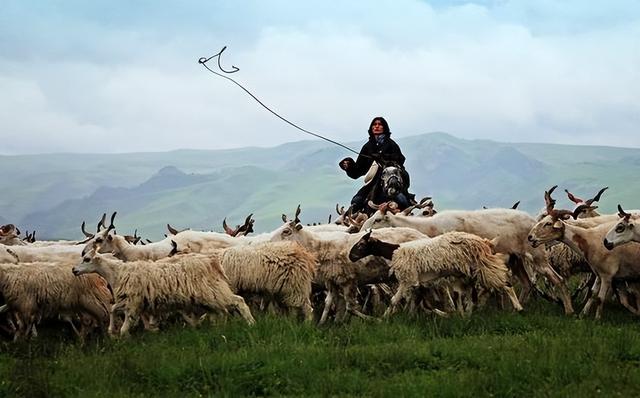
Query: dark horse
x=390, y=184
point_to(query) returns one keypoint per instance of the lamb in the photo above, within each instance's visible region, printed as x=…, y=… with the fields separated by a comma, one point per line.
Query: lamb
x=420, y=261
x=34, y=291
x=184, y=283
x=510, y=226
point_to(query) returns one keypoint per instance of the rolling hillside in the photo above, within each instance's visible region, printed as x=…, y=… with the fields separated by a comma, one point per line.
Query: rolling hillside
x=53, y=194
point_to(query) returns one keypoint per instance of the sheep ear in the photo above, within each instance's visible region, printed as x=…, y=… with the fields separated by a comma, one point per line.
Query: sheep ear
x=494, y=242
x=298, y=227
x=557, y=224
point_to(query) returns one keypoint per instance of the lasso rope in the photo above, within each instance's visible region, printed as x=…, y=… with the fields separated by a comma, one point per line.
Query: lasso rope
x=203, y=61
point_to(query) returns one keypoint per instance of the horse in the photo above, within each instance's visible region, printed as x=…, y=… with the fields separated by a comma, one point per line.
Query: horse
x=389, y=184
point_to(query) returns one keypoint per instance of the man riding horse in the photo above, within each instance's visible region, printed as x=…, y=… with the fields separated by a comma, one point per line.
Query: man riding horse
x=385, y=152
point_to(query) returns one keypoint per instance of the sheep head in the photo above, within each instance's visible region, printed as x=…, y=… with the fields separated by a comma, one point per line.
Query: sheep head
x=622, y=232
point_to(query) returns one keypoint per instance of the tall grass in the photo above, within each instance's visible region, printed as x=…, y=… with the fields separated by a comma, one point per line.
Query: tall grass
x=539, y=353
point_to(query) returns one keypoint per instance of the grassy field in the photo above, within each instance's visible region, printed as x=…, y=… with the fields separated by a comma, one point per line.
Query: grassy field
x=538, y=353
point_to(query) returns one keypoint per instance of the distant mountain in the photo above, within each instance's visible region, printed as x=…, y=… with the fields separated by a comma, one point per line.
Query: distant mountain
x=53, y=194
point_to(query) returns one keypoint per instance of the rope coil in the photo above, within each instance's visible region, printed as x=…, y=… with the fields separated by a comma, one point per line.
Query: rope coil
x=203, y=61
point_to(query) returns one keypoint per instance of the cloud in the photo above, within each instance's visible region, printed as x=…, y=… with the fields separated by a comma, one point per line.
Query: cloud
x=517, y=71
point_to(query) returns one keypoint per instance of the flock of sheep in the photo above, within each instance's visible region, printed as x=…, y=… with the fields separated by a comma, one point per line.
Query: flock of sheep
x=438, y=262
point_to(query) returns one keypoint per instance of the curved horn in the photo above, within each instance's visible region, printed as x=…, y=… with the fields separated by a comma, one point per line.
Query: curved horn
x=247, y=228
x=597, y=197
x=622, y=213
x=101, y=222
x=515, y=205
x=573, y=198
x=86, y=234
x=247, y=221
x=340, y=211
x=297, y=220
x=17, y=231
x=576, y=212
x=373, y=205
x=408, y=210
x=113, y=216
x=548, y=200
x=172, y=230
x=228, y=230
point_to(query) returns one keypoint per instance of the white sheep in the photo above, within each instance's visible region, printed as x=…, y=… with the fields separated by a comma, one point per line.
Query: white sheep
x=457, y=254
x=39, y=290
x=510, y=226
x=182, y=283
x=622, y=232
x=282, y=271
x=619, y=263
x=55, y=253
x=335, y=271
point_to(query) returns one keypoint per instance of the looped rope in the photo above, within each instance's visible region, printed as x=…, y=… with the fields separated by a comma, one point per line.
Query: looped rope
x=203, y=61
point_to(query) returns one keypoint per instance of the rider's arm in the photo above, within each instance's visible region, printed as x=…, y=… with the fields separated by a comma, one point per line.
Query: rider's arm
x=362, y=164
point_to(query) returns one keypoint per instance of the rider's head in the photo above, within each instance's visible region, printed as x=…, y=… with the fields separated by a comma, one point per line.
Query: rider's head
x=378, y=126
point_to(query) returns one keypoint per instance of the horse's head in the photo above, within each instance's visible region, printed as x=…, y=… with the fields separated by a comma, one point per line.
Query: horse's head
x=391, y=180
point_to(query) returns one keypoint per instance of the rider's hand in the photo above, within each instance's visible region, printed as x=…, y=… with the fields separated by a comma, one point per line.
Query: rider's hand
x=346, y=163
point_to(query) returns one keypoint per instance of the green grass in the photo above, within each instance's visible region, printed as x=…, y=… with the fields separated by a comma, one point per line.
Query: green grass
x=539, y=353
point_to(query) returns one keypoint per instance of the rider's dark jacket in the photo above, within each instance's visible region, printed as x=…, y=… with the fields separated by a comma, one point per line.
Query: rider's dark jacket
x=388, y=150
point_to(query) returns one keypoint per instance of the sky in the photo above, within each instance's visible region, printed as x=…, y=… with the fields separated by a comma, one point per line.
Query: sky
x=123, y=76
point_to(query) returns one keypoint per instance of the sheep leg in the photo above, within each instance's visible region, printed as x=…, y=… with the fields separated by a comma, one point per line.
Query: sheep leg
x=448, y=299
x=352, y=306
x=112, y=318
x=341, y=308
x=97, y=311
x=67, y=318
x=328, y=302
x=404, y=290
x=584, y=285
x=130, y=319
x=518, y=271
x=623, y=296
x=605, y=285
x=512, y=296
x=558, y=282
x=587, y=307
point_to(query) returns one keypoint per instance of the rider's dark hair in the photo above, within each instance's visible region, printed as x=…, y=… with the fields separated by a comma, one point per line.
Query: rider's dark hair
x=385, y=125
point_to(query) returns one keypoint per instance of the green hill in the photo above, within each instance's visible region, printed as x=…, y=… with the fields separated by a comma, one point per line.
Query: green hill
x=53, y=194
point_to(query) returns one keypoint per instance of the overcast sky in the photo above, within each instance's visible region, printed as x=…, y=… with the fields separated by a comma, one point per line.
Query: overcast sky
x=122, y=76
